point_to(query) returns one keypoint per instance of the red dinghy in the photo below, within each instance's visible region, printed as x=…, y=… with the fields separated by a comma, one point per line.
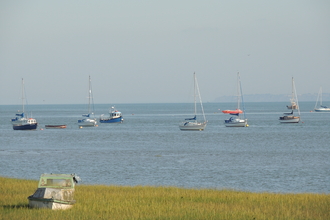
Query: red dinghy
x=237, y=111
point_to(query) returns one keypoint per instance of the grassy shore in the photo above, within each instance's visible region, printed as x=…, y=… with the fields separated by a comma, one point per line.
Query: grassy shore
x=144, y=202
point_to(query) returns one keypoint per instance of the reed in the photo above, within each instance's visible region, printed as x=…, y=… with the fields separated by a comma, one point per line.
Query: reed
x=145, y=202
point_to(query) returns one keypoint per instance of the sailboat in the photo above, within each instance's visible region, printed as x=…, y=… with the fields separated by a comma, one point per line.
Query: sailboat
x=293, y=100
x=290, y=117
x=235, y=120
x=321, y=107
x=20, y=122
x=89, y=120
x=191, y=124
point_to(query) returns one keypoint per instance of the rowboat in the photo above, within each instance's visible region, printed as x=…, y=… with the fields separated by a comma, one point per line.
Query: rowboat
x=55, y=126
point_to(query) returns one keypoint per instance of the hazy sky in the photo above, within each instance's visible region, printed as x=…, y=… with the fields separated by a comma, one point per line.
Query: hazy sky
x=147, y=51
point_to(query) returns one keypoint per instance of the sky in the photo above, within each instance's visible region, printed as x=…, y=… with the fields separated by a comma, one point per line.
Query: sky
x=147, y=51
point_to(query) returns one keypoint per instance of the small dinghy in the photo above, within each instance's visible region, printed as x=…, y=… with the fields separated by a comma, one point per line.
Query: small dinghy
x=55, y=126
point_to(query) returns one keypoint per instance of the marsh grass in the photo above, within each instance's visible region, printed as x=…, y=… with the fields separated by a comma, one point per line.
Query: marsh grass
x=144, y=202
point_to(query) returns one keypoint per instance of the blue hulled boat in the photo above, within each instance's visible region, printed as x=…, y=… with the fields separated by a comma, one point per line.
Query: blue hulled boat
x=114, y=117
x=20, y=122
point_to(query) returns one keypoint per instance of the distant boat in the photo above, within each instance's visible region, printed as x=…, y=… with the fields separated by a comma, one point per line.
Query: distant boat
x=114, y=116
x=191, y=124
x=319, y=107
x=290, y=117
x=55, y=126
x=235, y=120
x=89, y=120
x=20, y=122
x=294, y=99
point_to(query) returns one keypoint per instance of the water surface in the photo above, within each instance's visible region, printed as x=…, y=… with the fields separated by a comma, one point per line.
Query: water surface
x=149, y=149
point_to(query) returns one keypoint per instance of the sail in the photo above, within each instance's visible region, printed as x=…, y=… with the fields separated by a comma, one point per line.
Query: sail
x=194, y=118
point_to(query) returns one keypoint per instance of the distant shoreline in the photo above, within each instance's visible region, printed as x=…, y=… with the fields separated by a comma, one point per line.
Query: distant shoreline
x=309, y=97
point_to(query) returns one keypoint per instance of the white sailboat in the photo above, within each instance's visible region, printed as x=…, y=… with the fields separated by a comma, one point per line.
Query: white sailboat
x=320, y=107
x=293, y=100
x=235, y=120
x=191, y=124
x=290, y=117
x=89, y=120
x=21, y=122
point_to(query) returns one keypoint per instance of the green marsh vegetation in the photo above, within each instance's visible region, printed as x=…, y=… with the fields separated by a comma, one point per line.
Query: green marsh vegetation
x=145, y=202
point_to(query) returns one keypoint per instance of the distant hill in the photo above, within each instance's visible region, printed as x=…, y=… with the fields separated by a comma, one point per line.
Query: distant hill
x=273, y=98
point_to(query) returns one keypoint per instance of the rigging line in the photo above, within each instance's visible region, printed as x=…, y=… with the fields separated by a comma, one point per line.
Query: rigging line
x=240, y=84
x=296, y=96
x=200, y=99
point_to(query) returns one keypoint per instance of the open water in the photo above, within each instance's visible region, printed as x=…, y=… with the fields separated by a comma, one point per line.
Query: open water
x=149, y=149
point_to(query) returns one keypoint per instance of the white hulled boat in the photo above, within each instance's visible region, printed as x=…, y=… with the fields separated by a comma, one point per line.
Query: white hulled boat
x=319, y=107
x=89, y=120
x=235, y=120
x=290, y=117
x=294, y=101
x=191, y=124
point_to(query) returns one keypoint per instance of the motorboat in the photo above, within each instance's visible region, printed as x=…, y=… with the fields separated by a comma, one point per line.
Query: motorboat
x=115, y=116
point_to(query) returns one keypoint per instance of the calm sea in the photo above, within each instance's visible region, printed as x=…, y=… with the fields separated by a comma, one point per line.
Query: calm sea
x=149, y=149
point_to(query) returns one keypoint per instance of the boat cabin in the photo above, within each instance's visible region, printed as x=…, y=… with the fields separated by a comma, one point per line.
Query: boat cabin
x=115, y=114
x=31, y=121
x=57, y=181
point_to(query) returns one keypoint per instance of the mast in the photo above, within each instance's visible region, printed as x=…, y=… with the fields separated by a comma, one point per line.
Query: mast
x=292, y=93
x=321, y=96
x=294, y=99
x=238, y=91
x=295, y=95
x=89, y=96
x=22, y=95
x=195, y=110
x=200, y=99
x=241, y=94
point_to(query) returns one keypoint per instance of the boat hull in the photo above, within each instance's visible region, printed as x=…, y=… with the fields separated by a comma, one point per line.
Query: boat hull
x=237, y=111
x=236, y=123
x=191, y=126
x=286, y=119
x=55, y=126
x=25, y=126
x=87, y=123
x=322, y=109
x=112, y=120
x=49, y=204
